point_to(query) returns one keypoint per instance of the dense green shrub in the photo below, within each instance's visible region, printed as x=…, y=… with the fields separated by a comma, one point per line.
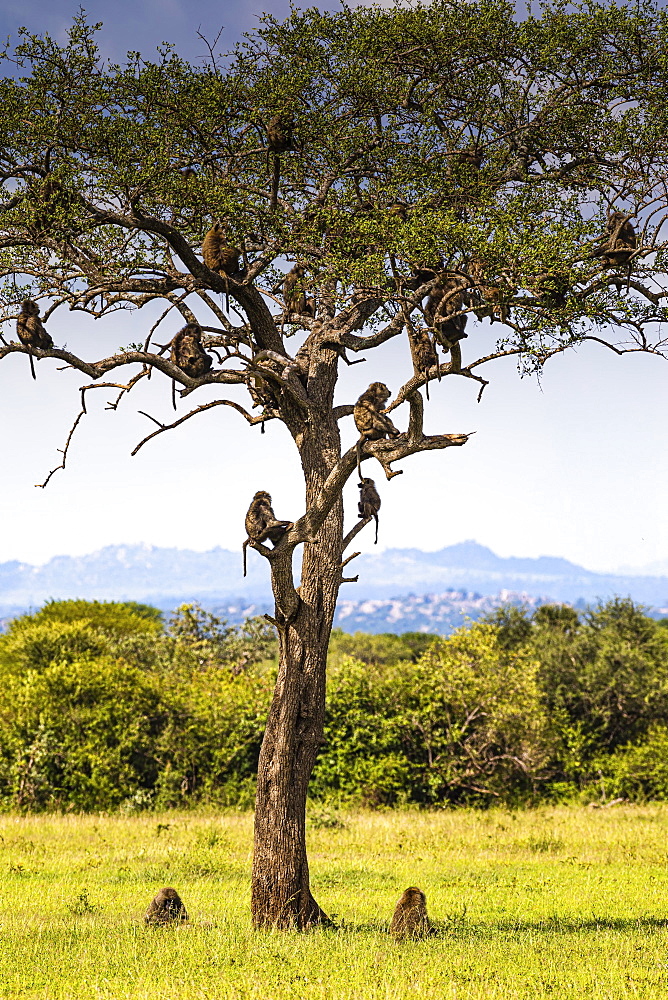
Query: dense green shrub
x=384, y=648
x=603, y=678
x=102, y=706
x=637, y=771
x=81, y=734
x=463, y=723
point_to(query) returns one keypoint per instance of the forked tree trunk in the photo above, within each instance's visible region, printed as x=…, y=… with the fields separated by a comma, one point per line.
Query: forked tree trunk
x=280, y=895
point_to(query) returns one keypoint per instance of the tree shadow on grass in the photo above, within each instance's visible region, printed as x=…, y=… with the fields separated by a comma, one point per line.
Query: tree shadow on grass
x=575, y=925
x=459, y=926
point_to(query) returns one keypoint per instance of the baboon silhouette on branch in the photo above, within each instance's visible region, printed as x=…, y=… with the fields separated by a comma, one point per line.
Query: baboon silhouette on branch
x=397, y=217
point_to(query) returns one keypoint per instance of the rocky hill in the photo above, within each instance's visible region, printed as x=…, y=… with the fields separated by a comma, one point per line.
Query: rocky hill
x=398, y=589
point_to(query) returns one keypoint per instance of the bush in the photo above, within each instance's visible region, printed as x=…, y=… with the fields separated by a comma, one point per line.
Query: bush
x=101, y=707
x=462, y=724
x=79, y=734
x=638, y=772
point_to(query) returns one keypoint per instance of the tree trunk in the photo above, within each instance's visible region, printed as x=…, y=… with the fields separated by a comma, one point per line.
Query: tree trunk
x=280, y=894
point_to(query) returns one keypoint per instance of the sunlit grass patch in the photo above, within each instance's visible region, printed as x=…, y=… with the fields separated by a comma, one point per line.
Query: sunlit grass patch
x=564, y=902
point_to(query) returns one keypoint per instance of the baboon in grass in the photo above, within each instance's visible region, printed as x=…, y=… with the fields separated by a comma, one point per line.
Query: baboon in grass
x=165, y=908
x=410, y=918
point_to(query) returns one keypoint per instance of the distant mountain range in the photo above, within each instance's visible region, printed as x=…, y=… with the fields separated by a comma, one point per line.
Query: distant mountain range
x=398, y=589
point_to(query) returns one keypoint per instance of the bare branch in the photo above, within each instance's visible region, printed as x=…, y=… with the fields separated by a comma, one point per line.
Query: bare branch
x=97, y=369
x=125, y=388
x=353, y=534
x=351, y=579
x=63, y=451
x=346, y=410
x=199, y=409
x=386, y=452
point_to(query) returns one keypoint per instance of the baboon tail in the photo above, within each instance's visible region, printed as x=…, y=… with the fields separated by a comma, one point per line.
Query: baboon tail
x=244, y=547
x=273, y=200
x=174, y=393
x=375, y=517
x=32, y=367
x=359, y=457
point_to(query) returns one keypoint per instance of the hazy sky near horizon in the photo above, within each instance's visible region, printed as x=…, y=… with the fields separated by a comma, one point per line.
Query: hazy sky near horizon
x=573, y=466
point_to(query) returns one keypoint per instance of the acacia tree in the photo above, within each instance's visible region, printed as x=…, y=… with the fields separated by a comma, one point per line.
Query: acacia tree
x=419, y=166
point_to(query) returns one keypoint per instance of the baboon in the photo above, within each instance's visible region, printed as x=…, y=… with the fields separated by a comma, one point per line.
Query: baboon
x=310, y=307
x=410, y=918
x=422, y=274
x=294, y=293
x=369, y=503
x=423, y=353
x=369, y=420
x=399, y=210
x=619, y=243
x=495, y=296
x=279, y=140
x=552, y=288
x=446, y=300
x=187, y=353
x=218, y=255
x=470, y=158
x=50, y=201
x=262, y=524
x=30, y=330
x=165, y=908
x=262, y=394
x=279, y=134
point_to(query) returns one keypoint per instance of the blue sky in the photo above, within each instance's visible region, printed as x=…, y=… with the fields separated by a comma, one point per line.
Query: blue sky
x=574, y=466
x=142, y=24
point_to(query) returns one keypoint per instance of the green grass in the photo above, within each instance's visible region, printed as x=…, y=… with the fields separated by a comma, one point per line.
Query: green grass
x=556, y=902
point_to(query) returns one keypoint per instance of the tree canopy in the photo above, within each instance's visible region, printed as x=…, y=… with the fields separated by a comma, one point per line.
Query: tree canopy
x=446, y=136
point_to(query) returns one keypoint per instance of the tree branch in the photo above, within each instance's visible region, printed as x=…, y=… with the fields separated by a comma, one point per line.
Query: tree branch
x=386, y=452
x=200, y=409
x=345, y=410
x=353, y=533
x=63, y=451
x=97, y=369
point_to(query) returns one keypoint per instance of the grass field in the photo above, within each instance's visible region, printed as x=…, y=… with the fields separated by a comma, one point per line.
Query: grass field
x=556, y=902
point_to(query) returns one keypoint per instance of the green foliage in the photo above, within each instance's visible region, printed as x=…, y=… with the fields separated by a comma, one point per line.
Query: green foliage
x=463, y=723
x=100, y=708
x=120, y=179
x=79, y=734
x=603, y=679
x=638, y=771
x=607, y=674
x=66, y=630
x=383, y=648
x=204, y=638
x=117, y=617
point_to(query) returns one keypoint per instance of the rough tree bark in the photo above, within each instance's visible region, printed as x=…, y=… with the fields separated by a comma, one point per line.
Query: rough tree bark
x=281, y=895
